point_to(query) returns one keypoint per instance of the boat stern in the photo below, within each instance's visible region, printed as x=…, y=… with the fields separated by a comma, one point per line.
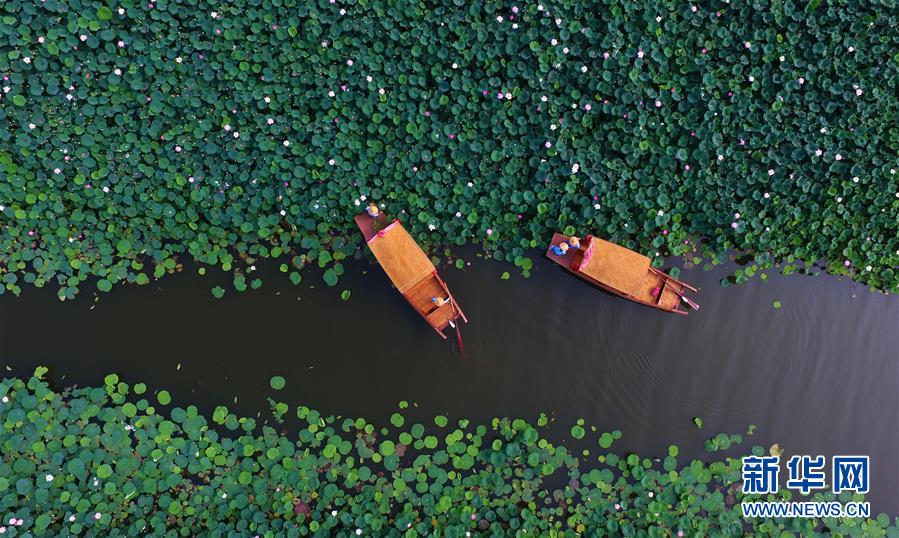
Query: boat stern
x=567, y=258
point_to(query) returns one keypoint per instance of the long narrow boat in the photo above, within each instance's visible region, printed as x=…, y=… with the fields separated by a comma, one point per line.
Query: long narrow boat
x=410, y=270
x=623, y=272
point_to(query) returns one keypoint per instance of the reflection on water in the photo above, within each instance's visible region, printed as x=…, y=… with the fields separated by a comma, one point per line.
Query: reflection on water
x=819, y=375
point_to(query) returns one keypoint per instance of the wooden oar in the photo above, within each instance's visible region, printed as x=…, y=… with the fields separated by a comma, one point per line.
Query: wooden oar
x=458, y=328
x=687, y=300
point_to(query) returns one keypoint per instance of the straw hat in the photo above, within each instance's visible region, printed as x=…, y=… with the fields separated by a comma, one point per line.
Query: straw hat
x=574, y=239
x=563, y=247
x=373, y=208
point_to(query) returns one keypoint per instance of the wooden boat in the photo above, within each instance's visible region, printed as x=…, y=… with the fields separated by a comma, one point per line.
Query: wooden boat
x=410, y=270
x=623, y=272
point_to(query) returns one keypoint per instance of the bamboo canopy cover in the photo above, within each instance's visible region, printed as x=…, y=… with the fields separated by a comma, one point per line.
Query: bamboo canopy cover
x=616, y=266
x=400, y=256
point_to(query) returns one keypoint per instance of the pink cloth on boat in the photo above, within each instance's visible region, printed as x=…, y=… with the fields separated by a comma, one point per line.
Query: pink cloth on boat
x=587, y=254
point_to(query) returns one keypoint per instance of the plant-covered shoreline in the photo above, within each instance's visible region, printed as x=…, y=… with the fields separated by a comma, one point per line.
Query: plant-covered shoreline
x=132, y=133
x=115, y=461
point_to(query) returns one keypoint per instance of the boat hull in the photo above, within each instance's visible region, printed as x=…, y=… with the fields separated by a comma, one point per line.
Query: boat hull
x=670, y=290
x=418, y=294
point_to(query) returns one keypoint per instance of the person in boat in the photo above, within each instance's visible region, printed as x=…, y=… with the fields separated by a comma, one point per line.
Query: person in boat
x=439, y=301
x=561, y=249
x=372, y=210
x=574, y=242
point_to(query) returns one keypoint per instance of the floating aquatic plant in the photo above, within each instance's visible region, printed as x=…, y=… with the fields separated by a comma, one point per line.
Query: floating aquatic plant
x=139, y=133
x=277, y=382
x=104, y=460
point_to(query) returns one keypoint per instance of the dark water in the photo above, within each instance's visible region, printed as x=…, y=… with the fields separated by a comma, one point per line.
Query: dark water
x=818, y=376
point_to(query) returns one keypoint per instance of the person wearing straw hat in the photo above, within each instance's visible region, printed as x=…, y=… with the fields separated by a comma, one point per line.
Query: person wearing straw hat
x=372, y=210
x=574, y=242
x=439, y=301
x=561, y=249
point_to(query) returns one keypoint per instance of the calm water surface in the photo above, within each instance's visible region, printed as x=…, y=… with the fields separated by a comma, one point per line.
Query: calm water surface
x=818, y=376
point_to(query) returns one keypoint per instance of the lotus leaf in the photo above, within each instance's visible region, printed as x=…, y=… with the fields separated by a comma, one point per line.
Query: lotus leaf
x=277, y=382
x=143, y=133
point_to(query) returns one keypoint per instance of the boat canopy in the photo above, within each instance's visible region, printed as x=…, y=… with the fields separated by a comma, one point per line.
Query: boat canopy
x=615, y=266
x=400, y=256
